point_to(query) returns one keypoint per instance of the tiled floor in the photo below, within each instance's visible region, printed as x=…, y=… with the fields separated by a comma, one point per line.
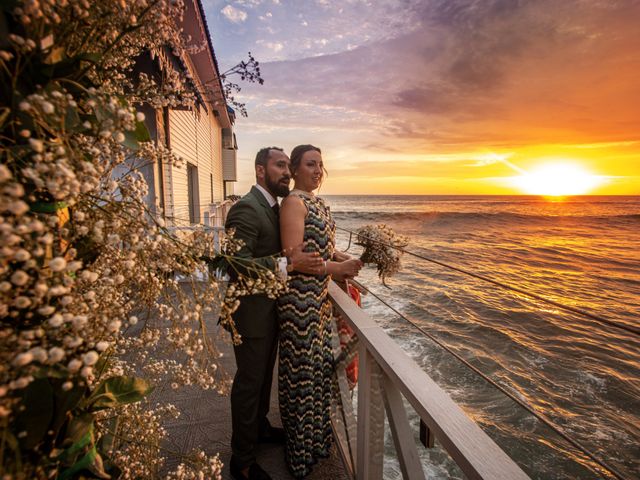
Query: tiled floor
x=205, y=422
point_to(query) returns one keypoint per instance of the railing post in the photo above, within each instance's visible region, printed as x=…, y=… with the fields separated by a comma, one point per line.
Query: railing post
x=216, y=240
x=401, y=432
x=370, y=419
x=219, y=219
x=426, y=435
x=343, y=417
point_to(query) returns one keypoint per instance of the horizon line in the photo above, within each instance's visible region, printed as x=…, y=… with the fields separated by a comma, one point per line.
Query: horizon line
x=475, y=195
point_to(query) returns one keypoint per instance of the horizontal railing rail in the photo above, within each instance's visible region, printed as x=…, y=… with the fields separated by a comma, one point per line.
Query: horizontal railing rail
x=217, y=213
x=386, y=375
x=218, y=232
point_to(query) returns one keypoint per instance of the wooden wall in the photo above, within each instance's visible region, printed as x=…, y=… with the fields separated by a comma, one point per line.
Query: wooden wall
x=195, y=136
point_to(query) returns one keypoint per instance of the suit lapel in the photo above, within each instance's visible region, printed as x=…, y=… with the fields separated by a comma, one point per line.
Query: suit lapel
x=265, y=204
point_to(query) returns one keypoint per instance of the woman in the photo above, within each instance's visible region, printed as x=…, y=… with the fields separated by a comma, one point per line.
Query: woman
x=306, y=362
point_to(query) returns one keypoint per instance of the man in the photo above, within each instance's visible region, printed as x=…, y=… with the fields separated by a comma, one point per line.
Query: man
x=255, y=219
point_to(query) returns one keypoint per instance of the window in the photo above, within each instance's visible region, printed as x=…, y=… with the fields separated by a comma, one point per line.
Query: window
x=193, y=193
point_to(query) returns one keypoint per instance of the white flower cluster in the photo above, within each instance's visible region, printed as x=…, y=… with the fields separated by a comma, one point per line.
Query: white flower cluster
x=199, y=466
x=382, y=247
x=247, y=279
x=87, y=270
x=137, y=435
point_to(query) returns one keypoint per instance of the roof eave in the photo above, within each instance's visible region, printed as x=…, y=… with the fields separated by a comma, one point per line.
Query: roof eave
x=204, y=61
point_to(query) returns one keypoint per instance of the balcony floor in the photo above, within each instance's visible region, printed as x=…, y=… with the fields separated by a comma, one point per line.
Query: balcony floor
x=205, y=422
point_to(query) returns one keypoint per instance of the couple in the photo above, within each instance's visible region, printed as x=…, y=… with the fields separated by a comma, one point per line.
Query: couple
x=298, y=321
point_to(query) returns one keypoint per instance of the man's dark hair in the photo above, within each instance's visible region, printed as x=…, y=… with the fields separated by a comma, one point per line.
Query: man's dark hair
x=263, y=155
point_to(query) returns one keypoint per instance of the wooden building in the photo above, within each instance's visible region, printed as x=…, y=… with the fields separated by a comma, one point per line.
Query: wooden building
x=201, y=136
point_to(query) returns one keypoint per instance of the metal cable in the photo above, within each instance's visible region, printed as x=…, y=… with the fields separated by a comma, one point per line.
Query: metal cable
x=513, y=397
x=527, y=407
x=628, y=328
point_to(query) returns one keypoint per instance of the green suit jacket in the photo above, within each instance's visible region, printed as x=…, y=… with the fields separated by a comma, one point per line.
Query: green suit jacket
x=256, y=224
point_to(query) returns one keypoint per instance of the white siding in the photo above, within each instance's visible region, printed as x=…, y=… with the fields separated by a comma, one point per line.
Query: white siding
x=196, y=138
x=204, y=159
x=182, y=137
x=216, y=141
x=229, y=165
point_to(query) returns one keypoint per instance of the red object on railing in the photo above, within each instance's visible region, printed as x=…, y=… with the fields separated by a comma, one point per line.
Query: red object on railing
x=346, y=333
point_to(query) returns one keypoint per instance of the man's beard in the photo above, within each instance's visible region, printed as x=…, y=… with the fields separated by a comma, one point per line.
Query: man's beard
x=277, y=188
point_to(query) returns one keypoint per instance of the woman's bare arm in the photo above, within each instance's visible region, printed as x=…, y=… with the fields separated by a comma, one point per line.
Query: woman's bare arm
x=292, y=214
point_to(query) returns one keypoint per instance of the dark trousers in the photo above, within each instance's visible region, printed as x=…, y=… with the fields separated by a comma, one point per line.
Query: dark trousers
x=250, y=394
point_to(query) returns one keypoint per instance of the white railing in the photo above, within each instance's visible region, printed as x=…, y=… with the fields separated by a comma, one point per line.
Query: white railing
x=386, y=375
x=217, y=213
x=217, y=234
x=212, y=221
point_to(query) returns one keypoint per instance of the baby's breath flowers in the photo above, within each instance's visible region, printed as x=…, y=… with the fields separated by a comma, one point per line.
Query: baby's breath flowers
x=198, y=465
x=89, y=295
x=243, y=278
x=382, y=247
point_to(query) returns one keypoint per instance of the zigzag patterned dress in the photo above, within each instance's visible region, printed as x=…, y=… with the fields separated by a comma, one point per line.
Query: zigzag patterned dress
x=305, y=367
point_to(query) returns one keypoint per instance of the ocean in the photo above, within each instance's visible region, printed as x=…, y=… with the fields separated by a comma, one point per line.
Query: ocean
x=582, y=375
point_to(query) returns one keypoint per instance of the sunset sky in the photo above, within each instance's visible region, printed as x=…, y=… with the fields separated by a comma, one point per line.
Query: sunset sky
x=442, y=96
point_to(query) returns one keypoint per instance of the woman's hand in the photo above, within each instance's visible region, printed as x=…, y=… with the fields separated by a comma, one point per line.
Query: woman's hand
x=339, y=256
x=347, y=269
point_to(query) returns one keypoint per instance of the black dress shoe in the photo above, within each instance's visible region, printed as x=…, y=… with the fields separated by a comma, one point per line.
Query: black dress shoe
x=255, y=472
x=272, y=435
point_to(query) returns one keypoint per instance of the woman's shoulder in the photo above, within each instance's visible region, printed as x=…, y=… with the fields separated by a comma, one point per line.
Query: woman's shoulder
x=302, y=197
x=292, y=199
x=293, y=203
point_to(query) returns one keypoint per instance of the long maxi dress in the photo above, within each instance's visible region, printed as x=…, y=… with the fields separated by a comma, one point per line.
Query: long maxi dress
x=305, y=360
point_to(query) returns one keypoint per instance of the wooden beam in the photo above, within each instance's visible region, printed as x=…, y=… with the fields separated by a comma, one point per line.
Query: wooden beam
x=343, y=417
x=426, y=435
x=370, y=419
x=401, y=432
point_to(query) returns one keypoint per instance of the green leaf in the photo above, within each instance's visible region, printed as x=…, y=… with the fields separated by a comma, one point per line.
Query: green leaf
x=79, y=433
x=118, y=391
x=87, y=118
x=142, y=134
x=72, y=122
x=47, y=207
x=65, y=67
x=37, y=400
x=132, y=139
x=102, y=363
x=89, y=57
x=91, y=461
x=97, y=467
x=107, y=440
x=52, y=372
x=78, y=428
x=65, y=401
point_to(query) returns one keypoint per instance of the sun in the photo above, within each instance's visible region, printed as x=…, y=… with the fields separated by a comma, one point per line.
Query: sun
x=557, y=179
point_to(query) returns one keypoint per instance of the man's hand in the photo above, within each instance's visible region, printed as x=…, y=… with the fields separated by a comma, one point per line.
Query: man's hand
x=305, y=262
